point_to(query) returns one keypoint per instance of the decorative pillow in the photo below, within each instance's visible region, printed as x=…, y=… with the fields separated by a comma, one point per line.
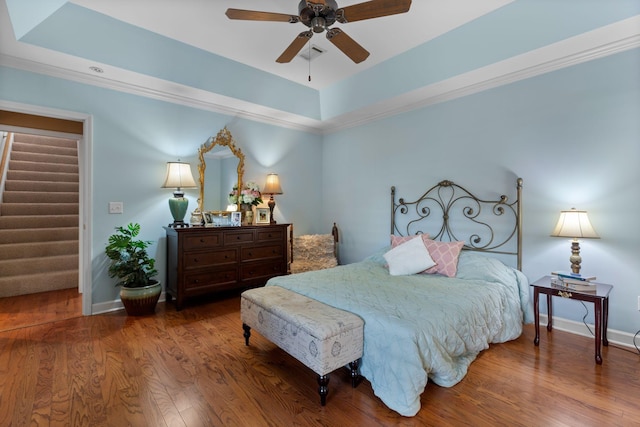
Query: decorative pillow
x=410, y=257
x=445, y=254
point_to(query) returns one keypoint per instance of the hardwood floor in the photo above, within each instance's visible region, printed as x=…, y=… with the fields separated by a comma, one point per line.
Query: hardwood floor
x=36, y=309
x=191, y=368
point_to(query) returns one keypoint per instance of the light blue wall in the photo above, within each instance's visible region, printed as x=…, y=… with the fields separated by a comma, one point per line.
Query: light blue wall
x=134, y=137
x=572, y=135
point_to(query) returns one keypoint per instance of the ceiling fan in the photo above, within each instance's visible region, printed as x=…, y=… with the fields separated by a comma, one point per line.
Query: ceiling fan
x=319, y=15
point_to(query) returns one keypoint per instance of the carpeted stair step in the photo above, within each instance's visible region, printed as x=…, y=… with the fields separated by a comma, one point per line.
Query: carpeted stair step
x=46, y=264
x=43, y=158
x=39, y=209
x=38, y=235
x=42, y=176
x=44, y=140
x=39, y=249
x=23, y=165
x=20, y=185
x=58, y=150
x=40, y=197
x=37, y=221
x=33, y=283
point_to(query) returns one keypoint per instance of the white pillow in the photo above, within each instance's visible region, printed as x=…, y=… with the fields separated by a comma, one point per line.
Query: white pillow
x=410, y=257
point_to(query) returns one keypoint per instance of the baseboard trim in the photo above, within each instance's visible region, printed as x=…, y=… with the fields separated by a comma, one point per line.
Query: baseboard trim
x=615, y=337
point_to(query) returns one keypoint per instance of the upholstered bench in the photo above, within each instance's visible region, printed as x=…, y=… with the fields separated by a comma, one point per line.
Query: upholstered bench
x=322, y=337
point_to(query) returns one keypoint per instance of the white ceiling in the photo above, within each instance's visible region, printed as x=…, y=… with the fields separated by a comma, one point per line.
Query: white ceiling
x=203, y=24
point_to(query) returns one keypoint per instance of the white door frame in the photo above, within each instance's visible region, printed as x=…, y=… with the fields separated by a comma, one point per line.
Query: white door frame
x=85, y=144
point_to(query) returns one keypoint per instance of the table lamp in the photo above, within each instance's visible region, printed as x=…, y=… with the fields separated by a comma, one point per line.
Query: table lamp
x=272, y=187
x=178, y=176
x=576, y=225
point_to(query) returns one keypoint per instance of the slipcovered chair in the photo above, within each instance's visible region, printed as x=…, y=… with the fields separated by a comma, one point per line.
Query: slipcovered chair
x=314, y=251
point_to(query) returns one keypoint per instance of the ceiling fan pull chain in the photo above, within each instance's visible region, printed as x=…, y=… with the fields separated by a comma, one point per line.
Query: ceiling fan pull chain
x=309, y=61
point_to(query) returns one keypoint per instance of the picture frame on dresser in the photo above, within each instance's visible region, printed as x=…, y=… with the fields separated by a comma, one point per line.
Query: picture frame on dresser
x=236, y=219
x=208, y=219
x=262, y=216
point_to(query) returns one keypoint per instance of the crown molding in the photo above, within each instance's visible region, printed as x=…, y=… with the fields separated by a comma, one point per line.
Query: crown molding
x=600, y=43
x=618, y=37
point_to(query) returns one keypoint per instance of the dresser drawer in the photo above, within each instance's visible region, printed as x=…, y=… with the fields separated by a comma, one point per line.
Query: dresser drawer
x=202, y=241
x=262, y=270
x=255, y=253
x=238, y=237
x=195, y=259
x=270, y=234
x=203, y=260
x=199, y=280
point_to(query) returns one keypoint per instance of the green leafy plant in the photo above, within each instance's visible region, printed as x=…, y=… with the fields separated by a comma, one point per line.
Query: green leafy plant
x=130, y=262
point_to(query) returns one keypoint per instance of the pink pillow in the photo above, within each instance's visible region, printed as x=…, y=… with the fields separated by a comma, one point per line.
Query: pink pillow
x=445, y=254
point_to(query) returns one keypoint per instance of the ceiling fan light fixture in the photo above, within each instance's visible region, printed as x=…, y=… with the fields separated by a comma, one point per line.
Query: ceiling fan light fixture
x=318, y=24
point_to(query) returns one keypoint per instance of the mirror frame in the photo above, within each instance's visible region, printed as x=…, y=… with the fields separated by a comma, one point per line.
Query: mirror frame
x=225, y=139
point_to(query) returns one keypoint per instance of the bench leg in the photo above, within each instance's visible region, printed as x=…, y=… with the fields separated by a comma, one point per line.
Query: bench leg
x=355, y=374
x=323, y=382
x=247, y=333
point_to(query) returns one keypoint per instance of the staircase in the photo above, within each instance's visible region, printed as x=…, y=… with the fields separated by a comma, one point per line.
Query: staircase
x=39, y=216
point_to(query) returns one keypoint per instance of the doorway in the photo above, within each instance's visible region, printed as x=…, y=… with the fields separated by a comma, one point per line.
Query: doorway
x=19, y=118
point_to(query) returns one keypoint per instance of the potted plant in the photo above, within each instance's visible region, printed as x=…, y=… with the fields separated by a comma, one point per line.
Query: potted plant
x=133, y=267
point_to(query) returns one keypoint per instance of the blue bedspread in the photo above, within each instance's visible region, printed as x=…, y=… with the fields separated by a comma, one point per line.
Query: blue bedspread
x=421, y=327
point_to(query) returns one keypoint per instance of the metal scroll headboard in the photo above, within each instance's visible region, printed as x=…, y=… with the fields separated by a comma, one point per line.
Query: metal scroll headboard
x=449, y=212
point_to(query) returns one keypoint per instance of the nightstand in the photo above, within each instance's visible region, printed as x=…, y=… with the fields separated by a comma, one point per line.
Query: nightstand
x=600, y=299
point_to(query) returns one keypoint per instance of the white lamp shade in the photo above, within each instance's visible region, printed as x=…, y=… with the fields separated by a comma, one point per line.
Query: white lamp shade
x=574, y=224
x=179, y=176
x=273, y=184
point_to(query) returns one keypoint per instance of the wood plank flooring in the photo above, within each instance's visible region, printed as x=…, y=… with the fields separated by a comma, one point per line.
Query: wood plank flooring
x=191, y=368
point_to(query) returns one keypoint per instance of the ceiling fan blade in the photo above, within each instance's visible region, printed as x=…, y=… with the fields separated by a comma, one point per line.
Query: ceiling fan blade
x=295, y=47
x=347, y=45
x=254, y=15
x=372, y=9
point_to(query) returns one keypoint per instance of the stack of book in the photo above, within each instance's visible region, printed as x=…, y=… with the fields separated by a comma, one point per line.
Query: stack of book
x=574, y=282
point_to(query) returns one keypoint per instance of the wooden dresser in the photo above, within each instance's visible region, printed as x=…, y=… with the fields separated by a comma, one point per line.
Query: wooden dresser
x=208, y=260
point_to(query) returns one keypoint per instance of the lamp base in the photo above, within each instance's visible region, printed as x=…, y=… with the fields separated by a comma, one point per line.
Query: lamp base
x=178, y=224
x=575, y=257
x=272, y=205
x=178, y=205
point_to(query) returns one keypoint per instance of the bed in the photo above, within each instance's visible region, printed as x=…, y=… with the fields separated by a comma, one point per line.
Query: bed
x=432, y=324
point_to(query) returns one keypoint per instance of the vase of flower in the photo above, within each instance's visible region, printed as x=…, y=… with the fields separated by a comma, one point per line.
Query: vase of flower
x=248, y=198
x=247, y=213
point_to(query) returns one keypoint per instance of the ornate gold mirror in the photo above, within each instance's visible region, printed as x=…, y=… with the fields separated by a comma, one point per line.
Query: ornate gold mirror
x=221, y=167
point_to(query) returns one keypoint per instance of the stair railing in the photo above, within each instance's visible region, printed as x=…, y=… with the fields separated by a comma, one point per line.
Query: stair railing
x=5, y=145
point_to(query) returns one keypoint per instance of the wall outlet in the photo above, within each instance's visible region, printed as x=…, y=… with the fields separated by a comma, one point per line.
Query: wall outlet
x=116, y=207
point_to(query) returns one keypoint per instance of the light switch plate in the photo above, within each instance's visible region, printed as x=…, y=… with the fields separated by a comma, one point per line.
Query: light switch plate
x=116, y=207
